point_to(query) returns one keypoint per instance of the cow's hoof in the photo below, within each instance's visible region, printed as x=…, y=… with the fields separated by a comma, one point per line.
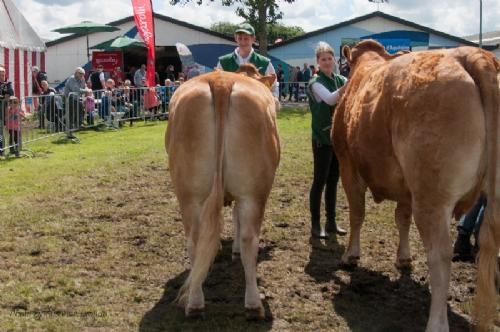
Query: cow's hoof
x=404, y=265
x=195, y=313
x=255, y=314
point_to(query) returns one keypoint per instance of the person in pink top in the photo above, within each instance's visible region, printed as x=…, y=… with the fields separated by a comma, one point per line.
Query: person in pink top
x=13, y=123
x=89, y=103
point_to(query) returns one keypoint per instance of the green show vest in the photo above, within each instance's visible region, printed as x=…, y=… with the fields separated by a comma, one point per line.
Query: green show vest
x=322, y=112
x=229, y=62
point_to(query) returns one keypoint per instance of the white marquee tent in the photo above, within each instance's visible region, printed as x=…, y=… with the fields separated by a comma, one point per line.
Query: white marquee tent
x=20, y=48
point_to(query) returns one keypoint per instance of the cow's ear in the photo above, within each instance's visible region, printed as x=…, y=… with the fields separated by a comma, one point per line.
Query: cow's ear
x=346, y=52
x=267, y=80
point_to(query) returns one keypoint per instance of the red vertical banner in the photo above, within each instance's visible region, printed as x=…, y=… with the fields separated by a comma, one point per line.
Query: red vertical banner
x=143, y=16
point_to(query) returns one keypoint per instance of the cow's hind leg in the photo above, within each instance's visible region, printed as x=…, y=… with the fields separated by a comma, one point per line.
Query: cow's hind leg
x=236, y=233
x=432, y=223
x=250, y=214
x=192, y=299
x=403, y=220
x=355, y=192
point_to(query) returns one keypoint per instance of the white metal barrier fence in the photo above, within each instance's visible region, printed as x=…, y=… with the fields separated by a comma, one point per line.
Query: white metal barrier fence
x=42, y=116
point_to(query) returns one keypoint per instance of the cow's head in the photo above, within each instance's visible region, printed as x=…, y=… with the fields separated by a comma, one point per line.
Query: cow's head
x=364, y=49
x=251, y=71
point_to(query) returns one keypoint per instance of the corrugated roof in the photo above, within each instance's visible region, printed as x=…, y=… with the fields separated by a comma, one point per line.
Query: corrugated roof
x=16, y=32
x=489, y=38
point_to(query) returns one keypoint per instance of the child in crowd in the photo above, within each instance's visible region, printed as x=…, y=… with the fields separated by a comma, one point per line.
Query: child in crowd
x=151, y=102
x=14, y=117
x=89, y=102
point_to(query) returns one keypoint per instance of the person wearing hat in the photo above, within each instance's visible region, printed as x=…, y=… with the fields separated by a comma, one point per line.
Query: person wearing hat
x=244, y=53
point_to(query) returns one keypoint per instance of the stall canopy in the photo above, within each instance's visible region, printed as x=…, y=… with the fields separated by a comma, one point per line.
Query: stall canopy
x=20, y=48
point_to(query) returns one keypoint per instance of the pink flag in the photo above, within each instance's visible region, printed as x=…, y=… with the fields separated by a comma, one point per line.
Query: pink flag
x=143, y=16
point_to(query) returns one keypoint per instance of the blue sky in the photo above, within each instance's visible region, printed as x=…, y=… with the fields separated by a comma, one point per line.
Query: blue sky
x=457, y=17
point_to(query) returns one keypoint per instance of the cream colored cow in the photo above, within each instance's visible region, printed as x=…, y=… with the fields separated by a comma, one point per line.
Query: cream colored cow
x=223, y=145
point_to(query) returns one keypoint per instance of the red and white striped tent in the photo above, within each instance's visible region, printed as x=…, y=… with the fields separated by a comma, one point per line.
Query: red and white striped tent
x=20, y=48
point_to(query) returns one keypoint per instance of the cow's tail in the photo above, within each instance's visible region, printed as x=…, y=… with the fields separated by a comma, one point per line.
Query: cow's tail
x=207, y=242
x=483, y=68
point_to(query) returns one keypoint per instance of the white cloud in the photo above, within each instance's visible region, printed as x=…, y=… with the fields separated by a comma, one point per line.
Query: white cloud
x=457, y=17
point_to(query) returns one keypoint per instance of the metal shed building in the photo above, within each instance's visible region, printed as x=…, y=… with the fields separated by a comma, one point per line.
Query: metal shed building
x=395, y=33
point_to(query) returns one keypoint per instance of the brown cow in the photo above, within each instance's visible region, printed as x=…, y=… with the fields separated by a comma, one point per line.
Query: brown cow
x=223, y=145
x=421, y=129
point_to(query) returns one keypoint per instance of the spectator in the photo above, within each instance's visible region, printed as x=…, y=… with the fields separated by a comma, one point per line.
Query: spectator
x=151, y=101
x=469, y=224
x=140, y=77
x=244, y=53
x=130, y=101
x=306, y=74
x=313, y=70
x=52, y=106
x=109, y=102
x=89, y=102
x=6, y=92
x=74, y=86
x=170, y=73
x=129, y=75
x=157, y=78
x=193, y=72
x=46, y=90
x=293, y=87
x=97, y=80
x=344, y=68
x=170, y=89
x=14, y=117
x=300, y=92
x=280, y=74
x=75, y=83
x=324, y=92
x=117, y=76
x=37, y=77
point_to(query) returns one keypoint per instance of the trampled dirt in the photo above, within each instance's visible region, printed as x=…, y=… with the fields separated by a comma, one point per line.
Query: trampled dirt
x=110, y=256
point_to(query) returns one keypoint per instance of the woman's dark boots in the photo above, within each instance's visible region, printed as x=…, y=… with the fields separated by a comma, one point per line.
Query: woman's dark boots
x=316, y=230
x=462, y=249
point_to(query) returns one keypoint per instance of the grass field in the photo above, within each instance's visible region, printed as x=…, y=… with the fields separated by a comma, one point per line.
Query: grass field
x=91, y=240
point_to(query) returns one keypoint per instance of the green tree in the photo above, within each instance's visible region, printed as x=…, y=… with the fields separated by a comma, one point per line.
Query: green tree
x=274, y=31
x=259, y=13
x=278, y=30
x=226, y=28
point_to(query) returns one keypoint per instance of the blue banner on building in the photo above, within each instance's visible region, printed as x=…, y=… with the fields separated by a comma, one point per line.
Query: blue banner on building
x=394, y=45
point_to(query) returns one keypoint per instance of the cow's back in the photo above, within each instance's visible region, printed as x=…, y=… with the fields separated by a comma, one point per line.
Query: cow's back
x=251, y=143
